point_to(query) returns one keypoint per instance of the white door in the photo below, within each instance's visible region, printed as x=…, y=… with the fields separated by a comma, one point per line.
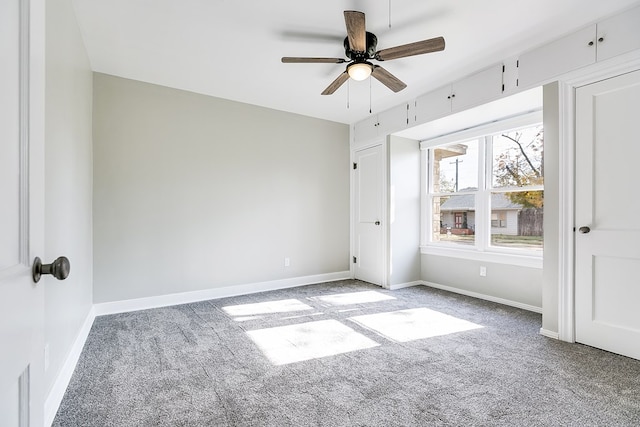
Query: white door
x=607, y=288
x=369, y=180
x=21, y=212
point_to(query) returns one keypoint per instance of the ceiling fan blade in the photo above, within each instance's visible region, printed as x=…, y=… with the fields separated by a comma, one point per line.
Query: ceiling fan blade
x=387, y=79
x=336, y=84
x=411, y=49
x=311, y=36
x=356, y=31
x=295, y=60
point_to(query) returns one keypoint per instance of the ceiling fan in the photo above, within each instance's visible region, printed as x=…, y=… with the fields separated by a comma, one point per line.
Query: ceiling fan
x=360, y=47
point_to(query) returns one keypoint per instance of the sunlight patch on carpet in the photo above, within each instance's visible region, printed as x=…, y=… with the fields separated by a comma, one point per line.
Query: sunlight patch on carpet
x=306, y=341
x=414, y=324
x=268, y=307
x=353, y=298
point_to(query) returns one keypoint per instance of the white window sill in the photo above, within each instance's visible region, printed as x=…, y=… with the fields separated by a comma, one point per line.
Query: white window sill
x=511, y=258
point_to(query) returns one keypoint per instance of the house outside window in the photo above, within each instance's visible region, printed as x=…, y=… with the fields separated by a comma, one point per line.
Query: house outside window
x=485, y=192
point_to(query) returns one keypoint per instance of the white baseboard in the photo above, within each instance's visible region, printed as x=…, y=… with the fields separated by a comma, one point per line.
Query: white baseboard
x=405, y=285
x=549, y=334
x=215, y=293
x=54, y=398
x=484, y=297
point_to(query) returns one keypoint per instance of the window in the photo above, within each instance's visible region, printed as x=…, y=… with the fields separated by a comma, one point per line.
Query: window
x=485, y=189
x=452, y=192
x=498, y=219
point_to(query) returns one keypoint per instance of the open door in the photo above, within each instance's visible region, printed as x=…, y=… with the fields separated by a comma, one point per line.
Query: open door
x=21, y=211
x=607, y=284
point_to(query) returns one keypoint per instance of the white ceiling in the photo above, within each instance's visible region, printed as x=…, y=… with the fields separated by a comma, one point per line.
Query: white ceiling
x=232, y=48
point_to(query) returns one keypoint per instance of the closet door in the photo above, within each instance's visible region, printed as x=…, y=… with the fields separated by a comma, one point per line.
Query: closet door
x=368, y=239
x=607, y=259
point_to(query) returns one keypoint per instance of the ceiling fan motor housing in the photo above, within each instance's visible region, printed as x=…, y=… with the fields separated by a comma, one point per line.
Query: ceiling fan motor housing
x=370, y=53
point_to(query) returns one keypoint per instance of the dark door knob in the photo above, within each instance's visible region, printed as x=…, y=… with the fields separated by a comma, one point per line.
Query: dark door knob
x=377, y=223
x=59, y=268
x=584, y=230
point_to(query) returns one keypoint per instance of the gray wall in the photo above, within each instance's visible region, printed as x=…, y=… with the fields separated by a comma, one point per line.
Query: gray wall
x=404, y=210
x=68, y=182
x=193, y=192
x=514, y=283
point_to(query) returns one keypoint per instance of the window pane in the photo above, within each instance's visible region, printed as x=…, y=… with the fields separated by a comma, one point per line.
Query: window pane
x=516, y=220
x=455, y=167
x=456, y=220
x=517, y=158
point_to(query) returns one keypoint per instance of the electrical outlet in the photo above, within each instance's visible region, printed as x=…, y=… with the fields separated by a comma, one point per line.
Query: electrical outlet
x=46, y=357
x=483, y=271
x=287, y=262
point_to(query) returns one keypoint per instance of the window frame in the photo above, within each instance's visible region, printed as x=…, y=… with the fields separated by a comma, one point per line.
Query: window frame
x=481, y=250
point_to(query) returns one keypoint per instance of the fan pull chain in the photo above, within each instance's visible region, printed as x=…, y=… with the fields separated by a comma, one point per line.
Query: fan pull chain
x=369, y=94
x=348, y=93
x=389, y=13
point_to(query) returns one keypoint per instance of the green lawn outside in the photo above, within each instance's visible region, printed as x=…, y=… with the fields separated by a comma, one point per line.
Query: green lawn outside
x=502, y=240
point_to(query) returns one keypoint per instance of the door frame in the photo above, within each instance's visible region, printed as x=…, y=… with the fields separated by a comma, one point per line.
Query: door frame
x=567, y=86
x=384, y=142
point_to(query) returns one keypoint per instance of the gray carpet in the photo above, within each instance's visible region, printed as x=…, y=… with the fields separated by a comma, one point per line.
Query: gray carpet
x=317, y=356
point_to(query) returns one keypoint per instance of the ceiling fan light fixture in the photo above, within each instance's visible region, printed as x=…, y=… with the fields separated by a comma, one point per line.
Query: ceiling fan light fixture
x=360, y=70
